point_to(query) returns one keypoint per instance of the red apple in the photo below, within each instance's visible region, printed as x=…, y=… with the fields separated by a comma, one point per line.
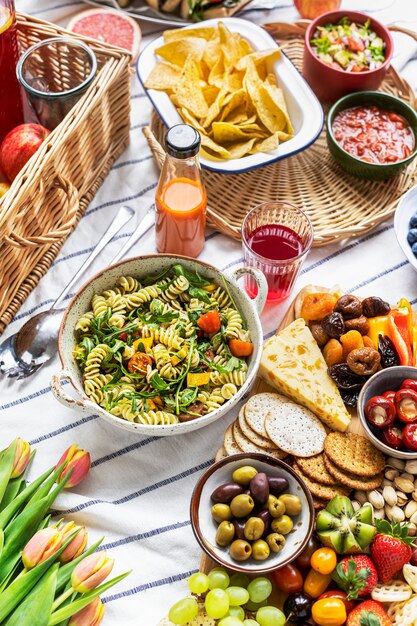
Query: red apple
x=310, y=9
x=18, y=146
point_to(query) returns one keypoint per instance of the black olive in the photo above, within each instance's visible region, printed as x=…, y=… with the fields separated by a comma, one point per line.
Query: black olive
x=297, y=608
x=388, y=352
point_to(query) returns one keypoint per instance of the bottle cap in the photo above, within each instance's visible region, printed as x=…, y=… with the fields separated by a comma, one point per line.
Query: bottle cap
x=182, y=141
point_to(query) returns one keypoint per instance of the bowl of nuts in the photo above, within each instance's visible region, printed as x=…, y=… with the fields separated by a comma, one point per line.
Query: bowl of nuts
x=251, y=513
x=387, y=409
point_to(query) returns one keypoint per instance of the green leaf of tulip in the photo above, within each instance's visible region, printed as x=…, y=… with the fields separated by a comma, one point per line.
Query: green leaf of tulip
x=7, y=459
x=10, y=511
x=12, y=491
x=35, y=610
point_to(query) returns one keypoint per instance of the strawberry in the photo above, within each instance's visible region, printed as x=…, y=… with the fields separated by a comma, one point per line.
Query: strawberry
x=368, y=613
x=356, y=575
x=391, y=548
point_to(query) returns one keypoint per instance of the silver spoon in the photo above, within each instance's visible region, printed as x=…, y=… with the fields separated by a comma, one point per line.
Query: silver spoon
x=35, y=343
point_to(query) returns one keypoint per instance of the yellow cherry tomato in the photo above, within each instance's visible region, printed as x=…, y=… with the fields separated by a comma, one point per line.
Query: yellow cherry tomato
x=329, y=612
x=315, y=583
x=324, y=560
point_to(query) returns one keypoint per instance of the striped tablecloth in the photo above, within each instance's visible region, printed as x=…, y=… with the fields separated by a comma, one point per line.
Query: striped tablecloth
x=138, y=491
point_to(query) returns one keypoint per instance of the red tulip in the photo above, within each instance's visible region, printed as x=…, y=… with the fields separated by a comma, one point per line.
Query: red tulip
x=78, y=543
x=91, y=572
x=78, y=461
x=21, y=458
x=91, y=615
x=43, y=544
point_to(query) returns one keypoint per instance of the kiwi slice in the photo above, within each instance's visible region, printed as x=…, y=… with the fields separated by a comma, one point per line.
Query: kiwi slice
x=339, y=527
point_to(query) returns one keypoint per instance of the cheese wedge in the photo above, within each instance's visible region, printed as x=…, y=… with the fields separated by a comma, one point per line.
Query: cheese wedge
x=292, y=362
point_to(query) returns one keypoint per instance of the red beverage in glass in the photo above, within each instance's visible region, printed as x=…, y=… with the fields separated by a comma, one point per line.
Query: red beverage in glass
x=276, y=239
x=11, y=108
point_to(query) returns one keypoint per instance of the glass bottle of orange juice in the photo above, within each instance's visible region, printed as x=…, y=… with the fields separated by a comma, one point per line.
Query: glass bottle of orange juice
x=180, y=196
x=11, y=107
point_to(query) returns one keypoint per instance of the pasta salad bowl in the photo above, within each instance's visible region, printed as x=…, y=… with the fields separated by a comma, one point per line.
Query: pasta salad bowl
x=160, y=344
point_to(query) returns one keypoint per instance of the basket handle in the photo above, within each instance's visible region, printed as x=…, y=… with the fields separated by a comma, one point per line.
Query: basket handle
x=70, y=217
x=157, y=150
x=64, y=398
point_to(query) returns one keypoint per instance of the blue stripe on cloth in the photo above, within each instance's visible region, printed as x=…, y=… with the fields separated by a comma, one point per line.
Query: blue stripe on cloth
x=63, y=429
x=142, y=125
x=121, y=200
x=115, y=455
x=132, y=162
x=137, y=95
x=31, y=396
x=389, y=270
x=150, y=533
x=155, y=583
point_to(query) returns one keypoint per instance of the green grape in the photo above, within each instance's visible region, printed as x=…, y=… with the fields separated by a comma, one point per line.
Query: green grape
x=270, y=616
x=237, y=595
x=254, y=606
x=236, y=611
x=218, y=579
x=198, y=583
x=250, y=622
x=183, y=611
x=259, y=589
x=216, y=603
x=230, y=621
x=239, y=580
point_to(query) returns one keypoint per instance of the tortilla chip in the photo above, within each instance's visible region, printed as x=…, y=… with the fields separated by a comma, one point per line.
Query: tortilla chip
x=188, y=92
x=239, y=150
x=209, y=144
x=266, y=145
x=179, y=33
x=164, y=76
x=189, y=118
x=214, y=109
x=278, y=97
x=177, y=52
x=224, y=133
x=259, y=56
x=269, y=112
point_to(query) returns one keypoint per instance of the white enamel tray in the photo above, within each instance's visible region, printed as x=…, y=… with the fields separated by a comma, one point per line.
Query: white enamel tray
x=304, y=109
x=404, y=212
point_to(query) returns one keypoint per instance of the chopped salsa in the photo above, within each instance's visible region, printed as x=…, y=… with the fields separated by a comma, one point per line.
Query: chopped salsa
x=373, y=134
x=348, y=46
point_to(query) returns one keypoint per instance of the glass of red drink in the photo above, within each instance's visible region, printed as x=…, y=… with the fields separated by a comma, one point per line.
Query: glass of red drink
x=11, y=106
x=276, y=238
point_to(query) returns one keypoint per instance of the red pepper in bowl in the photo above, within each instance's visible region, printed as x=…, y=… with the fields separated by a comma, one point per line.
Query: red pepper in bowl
x=406, y=405
x=410, y=436
x=393, y=437
x=409, y=383
x=380, y=412
x=390, y=395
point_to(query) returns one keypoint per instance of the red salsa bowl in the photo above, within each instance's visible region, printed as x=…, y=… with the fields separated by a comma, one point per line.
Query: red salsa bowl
x=330, y=83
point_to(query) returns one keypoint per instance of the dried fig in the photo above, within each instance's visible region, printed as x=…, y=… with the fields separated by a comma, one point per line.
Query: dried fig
x=360, y=324
x=374, y=306
x=349, y=306
x=319, y=334
x=334, y=325
x=364, y=361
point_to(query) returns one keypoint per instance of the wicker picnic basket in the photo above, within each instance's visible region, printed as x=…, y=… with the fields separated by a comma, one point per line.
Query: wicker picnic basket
x=338, y=204
x=51, y=193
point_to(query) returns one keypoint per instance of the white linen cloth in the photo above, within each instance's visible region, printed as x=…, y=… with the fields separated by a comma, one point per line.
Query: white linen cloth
x=138, y=491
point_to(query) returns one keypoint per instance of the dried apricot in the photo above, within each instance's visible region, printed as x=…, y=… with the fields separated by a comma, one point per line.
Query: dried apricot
x=317, y=305
x=333, y=352
x=352, y=340
x=367, y=342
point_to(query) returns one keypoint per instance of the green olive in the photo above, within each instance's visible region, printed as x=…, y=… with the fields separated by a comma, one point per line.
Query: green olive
x=240, y=550
x=282, y=525
x=242, y=505
x=260, y=550
x=221, y=512
x=243, y=475
x=254, y=528
x=292, y=503
x=275, y=541
x=225, y=533
x=276, y=508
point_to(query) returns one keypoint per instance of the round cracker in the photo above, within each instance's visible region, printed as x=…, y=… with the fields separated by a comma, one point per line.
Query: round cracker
x=295, y=429
x=257, y=408
x=354, y=454
x=247, y=446
x=319, y=503
x=220, y=454
x=361, y=483
x=324, y=492
x=315, y=468
x=229, y=443
x=250, y=434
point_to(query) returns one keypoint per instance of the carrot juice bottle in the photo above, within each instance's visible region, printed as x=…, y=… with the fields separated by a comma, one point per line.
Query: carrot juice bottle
x=11, y=107
x=180, y=196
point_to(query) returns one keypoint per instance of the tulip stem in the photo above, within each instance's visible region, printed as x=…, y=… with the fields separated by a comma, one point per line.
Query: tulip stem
x=62, y=599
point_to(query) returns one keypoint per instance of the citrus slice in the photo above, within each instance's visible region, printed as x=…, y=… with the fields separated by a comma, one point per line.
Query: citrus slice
x=6, y=19
x=112, y=27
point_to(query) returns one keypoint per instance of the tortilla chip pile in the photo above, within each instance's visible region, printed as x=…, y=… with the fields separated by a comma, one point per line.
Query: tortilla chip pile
x=224, y=89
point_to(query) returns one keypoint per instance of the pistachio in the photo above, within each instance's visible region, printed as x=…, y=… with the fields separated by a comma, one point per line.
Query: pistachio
x=408, y=476
x=402, y=499
x=411, y=508
x=397, y=463
x=357, y=505
x=390, y=474
x=411, y=467
x=413, y=518
x=376, y=499
x=415, y=484
x=394, y=513
x=386, y=483
x=360, y=496
x=414, y=494
x=412, y=529
x=390, y=496
x=379, y=513
x=404, y=484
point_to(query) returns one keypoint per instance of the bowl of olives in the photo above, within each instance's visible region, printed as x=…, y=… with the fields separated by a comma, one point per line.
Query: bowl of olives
x=251, y=513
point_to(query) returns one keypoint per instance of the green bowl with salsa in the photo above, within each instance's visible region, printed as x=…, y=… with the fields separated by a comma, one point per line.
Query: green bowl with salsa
x=372, y=135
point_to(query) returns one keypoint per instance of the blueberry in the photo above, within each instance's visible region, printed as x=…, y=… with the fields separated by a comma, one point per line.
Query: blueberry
x=412, y=236
x=414, y=249
x=413, y=221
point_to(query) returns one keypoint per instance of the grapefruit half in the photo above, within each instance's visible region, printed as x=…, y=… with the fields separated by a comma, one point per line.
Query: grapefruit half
x=107, y=26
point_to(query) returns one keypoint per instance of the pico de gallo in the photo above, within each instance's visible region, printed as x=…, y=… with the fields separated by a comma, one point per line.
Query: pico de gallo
x=348, y=46
x=373, y=134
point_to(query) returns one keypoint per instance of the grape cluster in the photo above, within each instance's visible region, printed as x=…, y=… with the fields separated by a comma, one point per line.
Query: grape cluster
x=229, y=600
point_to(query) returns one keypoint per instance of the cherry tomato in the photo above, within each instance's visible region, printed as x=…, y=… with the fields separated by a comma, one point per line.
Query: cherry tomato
x=393, y=437
x=341, y=595
x=409, y=383
x=303, y=560
x=240, y=348
x=210, y=322
x=390, y=395
x=138, y=363
x=324, y=560
x=380, y=412
x=410, y=436
x=288, y=579
x=406, y=405
x=329, y=612
x=123, y=335
x=316, y=583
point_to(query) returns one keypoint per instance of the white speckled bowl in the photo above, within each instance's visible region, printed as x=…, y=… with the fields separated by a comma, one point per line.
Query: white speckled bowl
x=139, y=267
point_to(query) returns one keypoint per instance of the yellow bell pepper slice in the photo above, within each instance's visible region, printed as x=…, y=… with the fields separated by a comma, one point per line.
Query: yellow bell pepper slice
x=414, y=345
x=146, y=341
x=179, y=356
x=198, y=380
x=209, y=288
x=377, y=326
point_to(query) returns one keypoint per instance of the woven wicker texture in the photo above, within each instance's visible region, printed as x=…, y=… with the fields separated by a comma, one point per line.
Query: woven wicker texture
x=52, y=192
x=338, y=204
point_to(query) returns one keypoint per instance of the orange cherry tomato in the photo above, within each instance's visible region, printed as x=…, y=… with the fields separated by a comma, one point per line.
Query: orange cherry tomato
x=210, y=322
x=316, y=583
x=138, y=363
x=240, y=348
x=329, y=612
x=324, y=560
x=288, y=579
x=340, y=595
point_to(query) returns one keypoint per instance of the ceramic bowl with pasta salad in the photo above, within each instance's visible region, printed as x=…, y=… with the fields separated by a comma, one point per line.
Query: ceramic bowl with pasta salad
x=160, y=344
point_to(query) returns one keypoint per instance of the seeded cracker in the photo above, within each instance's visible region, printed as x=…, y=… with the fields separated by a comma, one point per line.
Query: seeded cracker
x=324, y=492
x=229, y=442
x=354, y=454
x=220, y=454
x=247, y=446
x=353, y=480
x=314, y=468
x=257, y=408
x=250, y=434
x=295, y=429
